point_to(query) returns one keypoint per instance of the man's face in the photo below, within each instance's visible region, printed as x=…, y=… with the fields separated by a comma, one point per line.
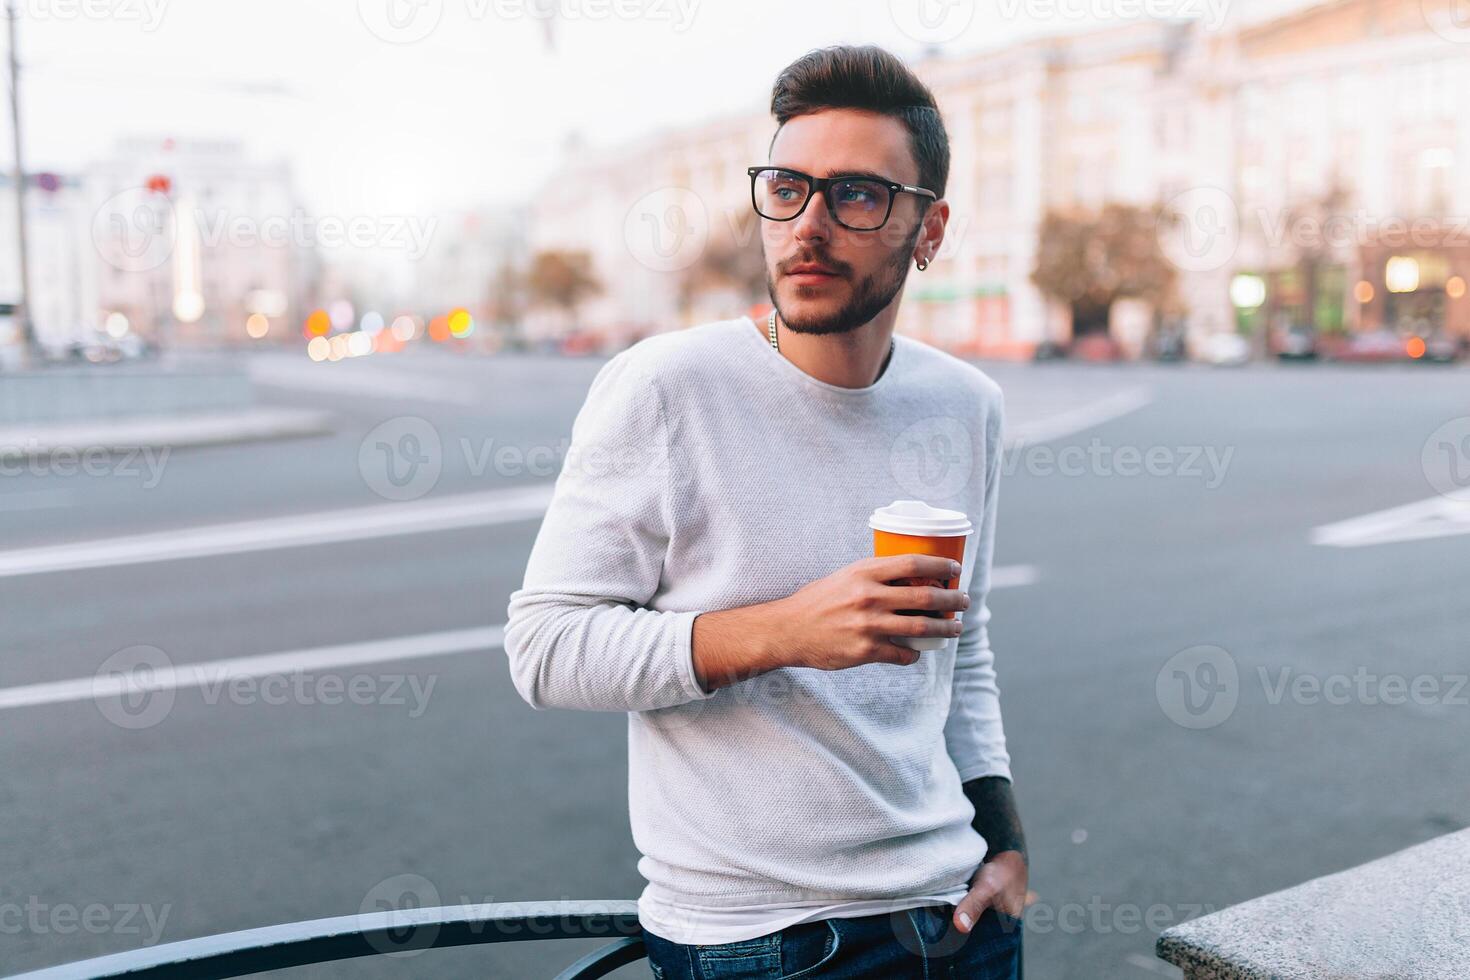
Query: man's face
x=866, y=269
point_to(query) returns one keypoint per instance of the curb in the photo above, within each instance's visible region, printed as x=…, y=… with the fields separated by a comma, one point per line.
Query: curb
x=162, y=431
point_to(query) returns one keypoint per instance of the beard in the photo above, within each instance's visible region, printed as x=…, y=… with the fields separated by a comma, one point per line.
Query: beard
x=870, y=296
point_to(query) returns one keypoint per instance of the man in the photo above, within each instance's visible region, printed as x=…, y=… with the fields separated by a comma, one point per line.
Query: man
x=809, y=797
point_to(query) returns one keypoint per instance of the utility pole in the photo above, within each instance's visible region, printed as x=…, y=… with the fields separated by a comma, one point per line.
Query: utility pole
x=23, y=310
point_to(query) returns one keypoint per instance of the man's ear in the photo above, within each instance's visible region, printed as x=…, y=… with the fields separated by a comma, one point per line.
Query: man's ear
x=936, y=222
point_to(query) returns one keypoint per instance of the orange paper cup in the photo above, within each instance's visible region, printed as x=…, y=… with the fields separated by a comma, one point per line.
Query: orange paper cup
x=911, y=527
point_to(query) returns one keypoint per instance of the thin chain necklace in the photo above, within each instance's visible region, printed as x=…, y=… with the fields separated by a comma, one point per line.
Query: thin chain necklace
x=771, y=331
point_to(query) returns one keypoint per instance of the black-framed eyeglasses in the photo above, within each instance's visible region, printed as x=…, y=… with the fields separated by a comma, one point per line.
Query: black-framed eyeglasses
x=861, y=202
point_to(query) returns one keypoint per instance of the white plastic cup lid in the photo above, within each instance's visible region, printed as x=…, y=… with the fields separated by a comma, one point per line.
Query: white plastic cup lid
x=918, y=518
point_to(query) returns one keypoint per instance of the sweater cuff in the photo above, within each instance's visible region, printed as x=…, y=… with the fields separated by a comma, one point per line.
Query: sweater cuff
x=981, y=770
x=684, y=655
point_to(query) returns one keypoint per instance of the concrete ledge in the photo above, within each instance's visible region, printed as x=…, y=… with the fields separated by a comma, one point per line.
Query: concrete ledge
x=74, y=393
x=1402, y=916
x=161, y=431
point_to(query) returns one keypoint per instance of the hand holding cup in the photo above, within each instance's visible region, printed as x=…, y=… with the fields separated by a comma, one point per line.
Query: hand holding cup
x=913, y=527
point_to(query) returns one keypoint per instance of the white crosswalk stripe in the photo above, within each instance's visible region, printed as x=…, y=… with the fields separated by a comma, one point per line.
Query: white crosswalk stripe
x=296, y=530
x=220, y=672
x=1437, y=517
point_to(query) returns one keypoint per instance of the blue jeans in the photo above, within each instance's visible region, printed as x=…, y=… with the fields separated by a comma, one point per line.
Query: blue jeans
x=913, y=944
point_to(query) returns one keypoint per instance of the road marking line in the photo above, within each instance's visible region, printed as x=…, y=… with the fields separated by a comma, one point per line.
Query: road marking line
x=160, y=432
x=214, y=672
x=324, y=527
x=1079, y=419
x=296, y=530
x=1437, y=517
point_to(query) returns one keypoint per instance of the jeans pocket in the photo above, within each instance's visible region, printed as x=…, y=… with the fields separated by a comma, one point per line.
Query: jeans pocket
x=808, y=946
x=749, y=959
x=992, y=950
x=1005, y=925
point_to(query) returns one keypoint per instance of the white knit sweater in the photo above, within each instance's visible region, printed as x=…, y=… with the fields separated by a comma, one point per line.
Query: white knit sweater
x=706, y=471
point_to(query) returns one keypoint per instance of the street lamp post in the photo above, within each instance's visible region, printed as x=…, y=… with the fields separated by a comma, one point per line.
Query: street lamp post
x=23, y=310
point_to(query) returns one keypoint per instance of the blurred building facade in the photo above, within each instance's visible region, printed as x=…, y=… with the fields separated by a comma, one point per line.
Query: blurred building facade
x=63, y=265
x=193, y=237
x=644, y=215
x=1349, y=110
x=477, y=258
x=1349, y=164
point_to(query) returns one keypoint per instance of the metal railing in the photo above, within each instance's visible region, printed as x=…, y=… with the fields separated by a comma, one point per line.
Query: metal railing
x=251, y=951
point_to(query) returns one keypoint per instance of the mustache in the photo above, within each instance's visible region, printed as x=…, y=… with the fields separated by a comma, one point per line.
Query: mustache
x=812, y=258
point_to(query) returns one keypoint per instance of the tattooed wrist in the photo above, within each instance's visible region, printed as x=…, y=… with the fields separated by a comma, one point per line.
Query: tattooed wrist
x=996, y=817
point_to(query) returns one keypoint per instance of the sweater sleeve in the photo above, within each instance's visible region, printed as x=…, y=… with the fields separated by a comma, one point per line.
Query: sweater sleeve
x=579, y=633
x=973, y=733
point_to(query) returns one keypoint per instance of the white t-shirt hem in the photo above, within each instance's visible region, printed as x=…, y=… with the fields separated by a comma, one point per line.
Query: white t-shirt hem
x=703, y=926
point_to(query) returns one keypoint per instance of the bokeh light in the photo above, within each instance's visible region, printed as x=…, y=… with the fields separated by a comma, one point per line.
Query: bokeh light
x=188, y=306
x=461, y=324
x=340, y=312
x=318, y=323
x=404, y=328
x=1247, y=292
x=1401, y=275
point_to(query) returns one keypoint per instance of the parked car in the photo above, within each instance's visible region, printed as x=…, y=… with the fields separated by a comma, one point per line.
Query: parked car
x=1297, y=344
x=1225, y=350
x=1372, y=347
x=1438, y=348
x=1095, y=347
x=99, y=348
x=73, y=352
x=581, y=342
x=1167, y=344
x=1049, y=350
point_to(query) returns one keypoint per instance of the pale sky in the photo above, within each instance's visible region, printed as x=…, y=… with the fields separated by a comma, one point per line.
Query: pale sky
x=473, y=111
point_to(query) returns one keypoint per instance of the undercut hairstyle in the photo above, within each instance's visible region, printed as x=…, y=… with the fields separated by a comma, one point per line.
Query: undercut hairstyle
x=867, y=77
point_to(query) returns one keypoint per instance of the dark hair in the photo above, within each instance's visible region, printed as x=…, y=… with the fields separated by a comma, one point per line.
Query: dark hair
x=867, y=77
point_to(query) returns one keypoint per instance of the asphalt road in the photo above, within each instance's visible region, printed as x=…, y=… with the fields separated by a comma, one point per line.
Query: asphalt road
x=1198, y=696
